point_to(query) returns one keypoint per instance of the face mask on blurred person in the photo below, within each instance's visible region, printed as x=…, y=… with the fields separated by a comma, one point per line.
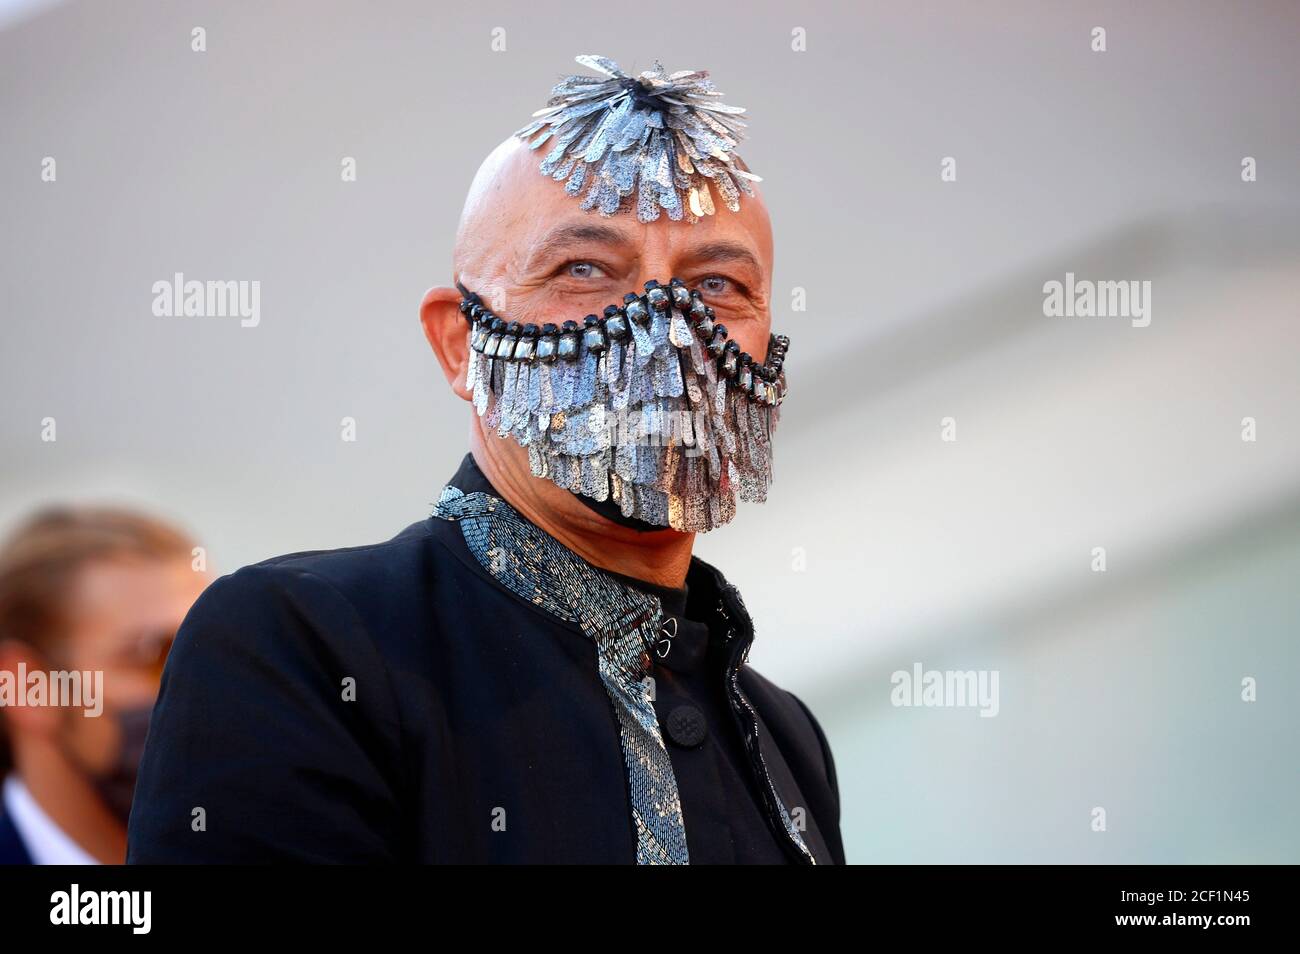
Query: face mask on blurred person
x=115, y=785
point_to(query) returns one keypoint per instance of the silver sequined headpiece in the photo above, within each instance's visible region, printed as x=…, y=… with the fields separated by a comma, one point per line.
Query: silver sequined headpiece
x=649, y=404
x=662, y=136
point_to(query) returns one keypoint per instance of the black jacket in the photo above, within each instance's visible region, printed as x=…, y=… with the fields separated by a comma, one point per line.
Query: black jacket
x=477, y=729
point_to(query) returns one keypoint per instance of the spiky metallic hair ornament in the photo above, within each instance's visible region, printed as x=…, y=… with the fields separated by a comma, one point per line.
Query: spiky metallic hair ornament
x=662, y=136
x=649, y=404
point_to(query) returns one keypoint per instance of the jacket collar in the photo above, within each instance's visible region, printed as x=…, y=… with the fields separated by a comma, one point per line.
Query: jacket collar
x=702, y=578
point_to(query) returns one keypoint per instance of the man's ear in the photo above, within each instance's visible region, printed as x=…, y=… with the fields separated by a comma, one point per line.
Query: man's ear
x=448, y=334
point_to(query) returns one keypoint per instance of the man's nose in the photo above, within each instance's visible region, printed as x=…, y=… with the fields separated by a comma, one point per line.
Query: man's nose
x=656, y=261
x=660, y=272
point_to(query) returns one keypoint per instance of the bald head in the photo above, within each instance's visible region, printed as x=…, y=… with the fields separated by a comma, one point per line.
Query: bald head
x=488, y=203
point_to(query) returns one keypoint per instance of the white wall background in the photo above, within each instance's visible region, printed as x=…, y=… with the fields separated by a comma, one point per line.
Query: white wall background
x=1119, y=690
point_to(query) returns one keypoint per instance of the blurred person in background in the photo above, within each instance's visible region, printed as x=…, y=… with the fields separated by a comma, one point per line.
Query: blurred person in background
x=88, y=590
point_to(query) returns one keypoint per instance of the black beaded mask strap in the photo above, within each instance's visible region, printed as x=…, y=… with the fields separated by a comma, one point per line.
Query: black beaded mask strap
x=648, y=404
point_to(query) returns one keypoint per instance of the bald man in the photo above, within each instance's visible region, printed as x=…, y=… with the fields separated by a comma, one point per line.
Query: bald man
x=540, y=672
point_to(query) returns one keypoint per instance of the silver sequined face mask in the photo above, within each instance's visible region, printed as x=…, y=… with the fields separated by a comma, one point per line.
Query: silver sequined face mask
x=648, y=405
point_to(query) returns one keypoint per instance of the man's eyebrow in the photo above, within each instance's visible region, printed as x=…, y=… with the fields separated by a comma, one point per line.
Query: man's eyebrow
x=723, y=251
x=559, y=239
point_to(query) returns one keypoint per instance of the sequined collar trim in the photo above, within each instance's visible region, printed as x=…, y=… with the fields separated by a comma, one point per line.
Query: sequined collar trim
x=621, y=621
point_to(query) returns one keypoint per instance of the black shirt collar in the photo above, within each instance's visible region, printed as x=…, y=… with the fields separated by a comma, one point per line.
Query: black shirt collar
x=691, y=605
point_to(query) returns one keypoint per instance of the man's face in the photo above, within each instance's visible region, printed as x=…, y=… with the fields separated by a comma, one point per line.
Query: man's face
x=534, y=256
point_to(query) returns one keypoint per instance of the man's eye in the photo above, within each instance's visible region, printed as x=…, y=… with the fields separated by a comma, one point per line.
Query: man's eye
x=583, y=270
x=715, y=285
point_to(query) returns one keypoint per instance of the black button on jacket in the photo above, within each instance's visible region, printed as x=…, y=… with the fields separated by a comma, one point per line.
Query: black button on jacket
x=397, y=703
